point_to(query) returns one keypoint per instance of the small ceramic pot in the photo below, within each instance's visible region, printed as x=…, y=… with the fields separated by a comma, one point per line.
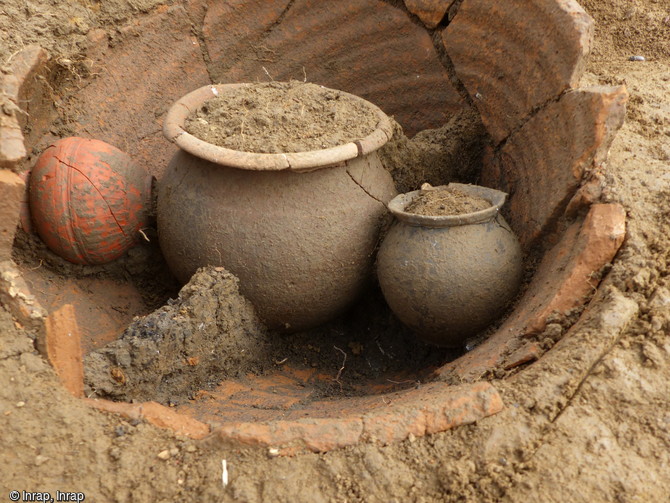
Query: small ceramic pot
x=298, y=229
x=448, y=277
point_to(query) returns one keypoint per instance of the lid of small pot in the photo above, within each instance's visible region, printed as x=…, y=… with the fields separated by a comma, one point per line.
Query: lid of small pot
x=173, y=129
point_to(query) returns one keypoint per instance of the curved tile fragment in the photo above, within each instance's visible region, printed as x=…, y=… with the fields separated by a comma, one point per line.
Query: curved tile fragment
x=563, y=281
x=13, y=85
x=515, y=56
x=542, y=164
x=368, y=48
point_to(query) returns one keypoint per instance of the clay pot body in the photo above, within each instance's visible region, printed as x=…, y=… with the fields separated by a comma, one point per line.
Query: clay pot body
x=448, y=277
x=300, y=241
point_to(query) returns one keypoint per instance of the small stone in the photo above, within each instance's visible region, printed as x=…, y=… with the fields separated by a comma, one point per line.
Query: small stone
x=32, y=363
x=40, y=460
x=174, y=451
x=273, y=452
x=191, y=448
x=411, y=438
x=653, y=355
x=553, y=331
x=20, y=404
x=356, y=348
x=637, y=58
x=660, y=300
x=118, y=375
x=164, y=455
x=657, y=323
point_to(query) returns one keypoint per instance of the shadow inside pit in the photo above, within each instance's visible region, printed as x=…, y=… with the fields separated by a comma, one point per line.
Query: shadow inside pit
x=210, y=334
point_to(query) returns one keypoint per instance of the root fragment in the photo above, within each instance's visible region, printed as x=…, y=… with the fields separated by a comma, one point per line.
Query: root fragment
x=339, y=372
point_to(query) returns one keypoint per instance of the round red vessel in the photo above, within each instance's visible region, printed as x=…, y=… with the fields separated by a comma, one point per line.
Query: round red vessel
x=88, y=200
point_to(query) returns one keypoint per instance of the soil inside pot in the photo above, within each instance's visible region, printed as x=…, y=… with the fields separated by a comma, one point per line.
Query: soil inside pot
x=446, y=201
x=278, y=117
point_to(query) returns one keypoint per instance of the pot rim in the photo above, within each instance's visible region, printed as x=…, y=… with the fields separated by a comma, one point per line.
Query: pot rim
x=174, y=131
x=495, y=197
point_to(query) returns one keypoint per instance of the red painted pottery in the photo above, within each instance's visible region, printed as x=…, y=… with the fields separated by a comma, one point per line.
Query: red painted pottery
x=88, y=200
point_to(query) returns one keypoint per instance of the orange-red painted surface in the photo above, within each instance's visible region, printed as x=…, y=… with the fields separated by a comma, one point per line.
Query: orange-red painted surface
x=88, y=200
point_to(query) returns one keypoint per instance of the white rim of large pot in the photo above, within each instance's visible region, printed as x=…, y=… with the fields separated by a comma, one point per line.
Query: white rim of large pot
x=173, y=129
x=495, y=197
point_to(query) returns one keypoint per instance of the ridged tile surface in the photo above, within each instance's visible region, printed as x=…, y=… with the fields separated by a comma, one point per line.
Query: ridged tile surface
x=517, y=55
x=542, y=165
x=368, y=48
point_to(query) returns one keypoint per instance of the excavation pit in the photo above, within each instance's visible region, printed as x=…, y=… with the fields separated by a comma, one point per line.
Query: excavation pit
x=546, y=142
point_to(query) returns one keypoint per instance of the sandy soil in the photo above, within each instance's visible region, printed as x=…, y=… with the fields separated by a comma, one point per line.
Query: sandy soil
x=445, y=201
x=277, y=117
x=608, y=438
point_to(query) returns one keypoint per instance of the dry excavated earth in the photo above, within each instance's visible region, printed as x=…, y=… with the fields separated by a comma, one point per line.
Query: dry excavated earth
x=607, y=440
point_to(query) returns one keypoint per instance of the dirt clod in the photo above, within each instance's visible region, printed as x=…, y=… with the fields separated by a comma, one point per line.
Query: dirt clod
x=450, y=153
x=209, y=330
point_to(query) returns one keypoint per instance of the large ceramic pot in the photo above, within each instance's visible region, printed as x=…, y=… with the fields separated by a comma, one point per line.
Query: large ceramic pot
x=448, y=277
x=298, y=229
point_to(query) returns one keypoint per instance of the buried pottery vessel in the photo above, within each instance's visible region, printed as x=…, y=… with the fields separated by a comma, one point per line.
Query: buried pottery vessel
x=298, y=229
x=89, y=200
x=448, y=277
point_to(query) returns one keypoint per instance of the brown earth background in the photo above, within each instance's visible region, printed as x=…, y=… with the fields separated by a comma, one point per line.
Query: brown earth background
x=606, y=440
